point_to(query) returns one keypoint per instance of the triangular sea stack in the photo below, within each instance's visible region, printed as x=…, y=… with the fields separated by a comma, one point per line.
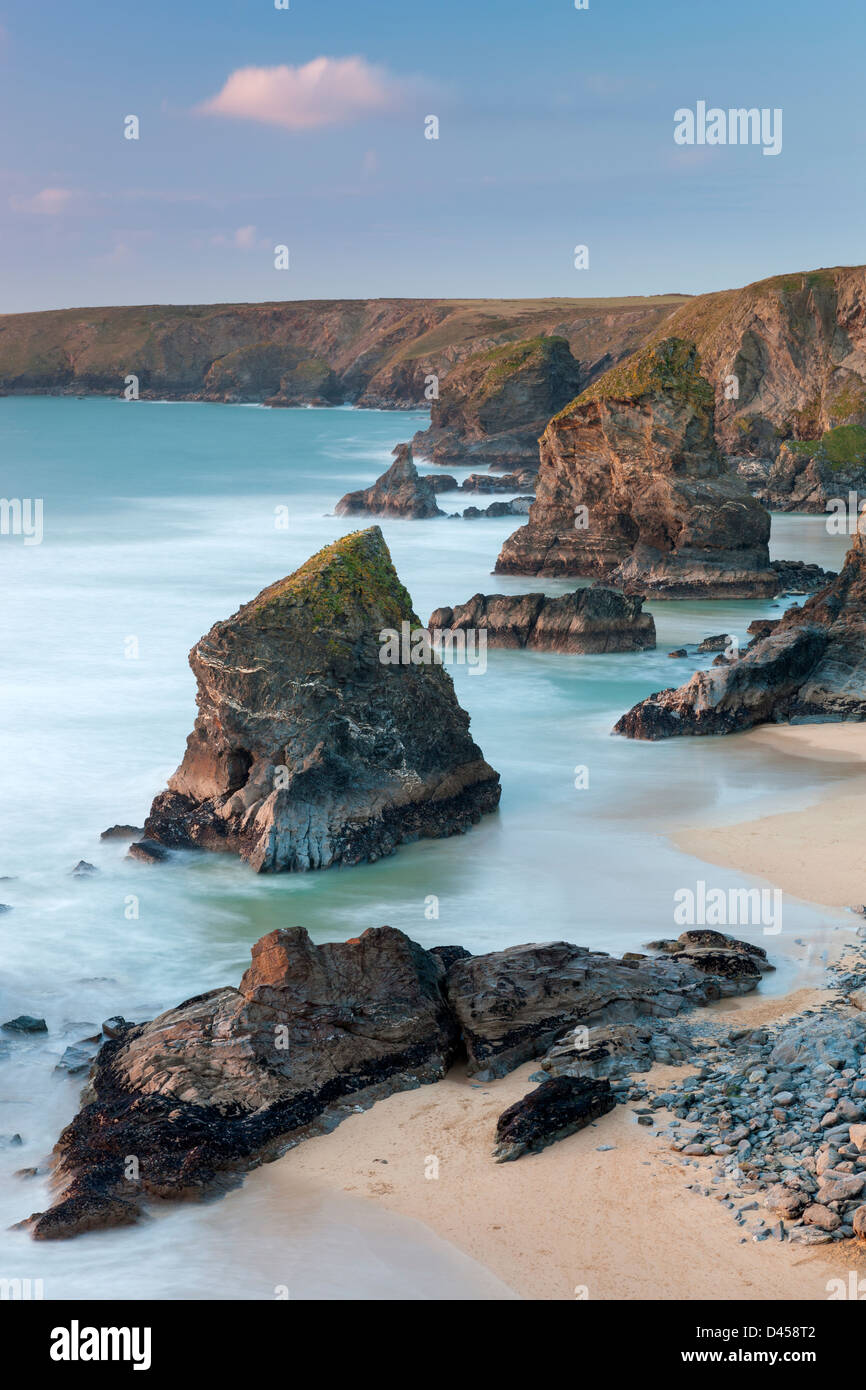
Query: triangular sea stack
x=308, y=751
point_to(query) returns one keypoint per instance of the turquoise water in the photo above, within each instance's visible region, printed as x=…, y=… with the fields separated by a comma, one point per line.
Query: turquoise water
x=159, y=519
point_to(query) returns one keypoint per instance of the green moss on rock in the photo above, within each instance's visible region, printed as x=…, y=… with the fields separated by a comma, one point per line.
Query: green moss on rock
x=672, y=366
x=842, y=447
x=350, y=582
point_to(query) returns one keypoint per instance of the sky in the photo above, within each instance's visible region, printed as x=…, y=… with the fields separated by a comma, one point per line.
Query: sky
x=306, y=127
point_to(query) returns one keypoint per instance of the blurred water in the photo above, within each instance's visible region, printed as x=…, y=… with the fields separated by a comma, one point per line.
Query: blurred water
x=159, y=519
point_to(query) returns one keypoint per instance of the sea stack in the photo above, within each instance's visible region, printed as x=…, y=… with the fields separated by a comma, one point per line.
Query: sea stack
x=632, y=489
x=308, y=749
x=400, y=491
x=494, y=406
x=810, y=666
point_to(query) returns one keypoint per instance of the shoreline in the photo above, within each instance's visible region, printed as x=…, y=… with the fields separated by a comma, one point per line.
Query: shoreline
x=574, y=1222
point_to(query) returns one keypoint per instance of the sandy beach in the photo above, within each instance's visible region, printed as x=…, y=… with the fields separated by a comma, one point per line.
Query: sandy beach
x=816, y=853
x=576, y=1223
x=570, y=1222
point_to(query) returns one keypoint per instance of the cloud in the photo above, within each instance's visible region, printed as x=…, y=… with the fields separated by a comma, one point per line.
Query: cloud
x=327, y=91
x=50, y=202
x=244, y=239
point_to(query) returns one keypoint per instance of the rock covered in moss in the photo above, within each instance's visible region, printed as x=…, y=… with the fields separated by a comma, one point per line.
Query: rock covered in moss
x=632, y=489
x=493, y=407
x=400, y=491
x=308, y=750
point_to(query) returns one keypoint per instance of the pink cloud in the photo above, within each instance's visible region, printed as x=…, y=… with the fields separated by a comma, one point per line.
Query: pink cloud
x=327, y=91
x=49, y=202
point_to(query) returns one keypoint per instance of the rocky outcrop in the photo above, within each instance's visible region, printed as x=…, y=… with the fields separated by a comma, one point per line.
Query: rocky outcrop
x=558, y=1107
x=520, y=481
x=494, y=406
x=400, y=491
x=811, y=666
x=818, y=475
x=589, y=620
x=516, y=506
x=633, y=490
x=795, y=577
x=309, y=750
x=235, y=1077
x=513, y=1005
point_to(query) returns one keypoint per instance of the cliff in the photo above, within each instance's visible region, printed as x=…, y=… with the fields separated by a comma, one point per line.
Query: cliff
x=632, y=489
x=373, y=352
x=308, y=750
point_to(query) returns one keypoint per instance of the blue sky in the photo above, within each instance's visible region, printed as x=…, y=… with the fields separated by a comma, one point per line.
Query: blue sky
x=556, y=129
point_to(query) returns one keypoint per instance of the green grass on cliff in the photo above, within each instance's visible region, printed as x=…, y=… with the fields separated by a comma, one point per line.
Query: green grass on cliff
x=352, y=581
x=841, y=447
x=672, y=365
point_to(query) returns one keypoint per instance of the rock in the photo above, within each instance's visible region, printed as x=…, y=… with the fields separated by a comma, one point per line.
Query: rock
x=400, y=491
x=857, y=1134
x=148, y=852
x=122, y=832
x=809, y=1235
x=679, y=652
x=26, y=1023
x=715, y=644
x=515, y=508
x=513, y=1005
x=442, y=482
x=797, y=578
x=493, y=407
x=810, y=667
x=235, y=1077
x=76, y=1059
x=115, y=1026
x=785, y=1201
x=589, y=620
x=632, y=490
x=83, y=869
x=559, y=1107
x=816, y=1215
x=839, y=1187
x=309, y=750
x=520, y=481
x=5, y=907
x=859, y=1222
x=807, y=475
x=717, y=954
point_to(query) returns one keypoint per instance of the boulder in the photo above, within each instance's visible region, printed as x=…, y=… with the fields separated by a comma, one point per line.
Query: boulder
x=400, y=491
x=811, y=666
x=122, y=832
x=557, y=1108
x=596, y=619
x=26, y=1023
x=310, y=749
x=632, y=489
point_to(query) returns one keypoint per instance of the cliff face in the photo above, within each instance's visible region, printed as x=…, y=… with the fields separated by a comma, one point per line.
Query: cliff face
x=494, y=406
x=796, y=345
x=308, y=751
x=810, y=667
x=375, y=352
x=632, y=488
x=812, y=475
